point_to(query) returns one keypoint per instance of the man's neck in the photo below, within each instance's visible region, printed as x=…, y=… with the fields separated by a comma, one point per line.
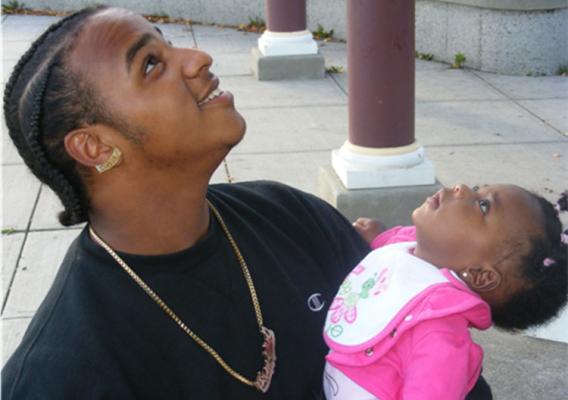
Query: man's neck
x=151, y=217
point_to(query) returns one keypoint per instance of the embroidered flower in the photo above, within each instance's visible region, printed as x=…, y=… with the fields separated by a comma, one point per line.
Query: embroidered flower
x=344, y=306
x=342, y=309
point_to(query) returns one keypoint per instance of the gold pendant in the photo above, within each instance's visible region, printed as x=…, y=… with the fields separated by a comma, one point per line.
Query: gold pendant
x=264, y=376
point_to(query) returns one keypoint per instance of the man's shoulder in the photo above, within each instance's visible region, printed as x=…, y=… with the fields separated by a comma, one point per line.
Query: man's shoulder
x=262, y=189
x=302, y=216
x=51, y=368
x=270, y=196
x=63, y=324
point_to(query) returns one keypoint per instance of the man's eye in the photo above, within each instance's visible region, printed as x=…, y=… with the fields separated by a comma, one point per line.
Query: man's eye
x=151, y=63
x=484, y=206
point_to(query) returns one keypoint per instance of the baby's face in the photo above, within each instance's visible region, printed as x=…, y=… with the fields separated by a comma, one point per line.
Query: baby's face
x=462, y=227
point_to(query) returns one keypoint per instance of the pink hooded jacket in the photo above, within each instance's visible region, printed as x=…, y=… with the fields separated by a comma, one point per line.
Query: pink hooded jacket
x=399, y=326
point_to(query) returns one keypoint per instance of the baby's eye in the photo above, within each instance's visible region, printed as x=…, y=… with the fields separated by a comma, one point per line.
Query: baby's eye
x=475, y=188
x=484, y=206
x=151, y=63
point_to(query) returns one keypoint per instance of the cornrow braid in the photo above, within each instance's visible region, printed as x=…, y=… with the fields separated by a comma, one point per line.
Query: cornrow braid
x=30, y=117
x=547, y=284
x=43, y=101
x=29, y=53
x=9, y=107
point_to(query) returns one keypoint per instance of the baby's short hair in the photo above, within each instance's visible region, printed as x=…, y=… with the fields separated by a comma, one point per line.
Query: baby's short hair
x=543, y=270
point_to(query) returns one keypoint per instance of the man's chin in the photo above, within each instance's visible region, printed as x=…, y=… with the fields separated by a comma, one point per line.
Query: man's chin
x=238, y=137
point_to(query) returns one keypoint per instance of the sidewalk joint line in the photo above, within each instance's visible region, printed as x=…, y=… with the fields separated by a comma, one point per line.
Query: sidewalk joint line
x=20, y=315
x=496, y=144
x=516, y=101
x=26, y=233
x=16, y=317
x=479, y=100
x=321, y=150
x=193, y=35
x=341, y=89
x=40, y=230
x=13, y=164
x=508, y=99
x=231, y=75
x=233, y=52
x=289, y=106
x=258, y=153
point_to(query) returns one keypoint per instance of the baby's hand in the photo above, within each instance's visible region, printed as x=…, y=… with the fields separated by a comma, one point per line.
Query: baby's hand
x=368, y=228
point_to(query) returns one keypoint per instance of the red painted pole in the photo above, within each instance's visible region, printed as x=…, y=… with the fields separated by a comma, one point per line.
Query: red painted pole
x=285, y=15
x=380, y=50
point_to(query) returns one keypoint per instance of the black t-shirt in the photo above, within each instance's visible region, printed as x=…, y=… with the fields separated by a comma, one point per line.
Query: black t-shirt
x=97, y=335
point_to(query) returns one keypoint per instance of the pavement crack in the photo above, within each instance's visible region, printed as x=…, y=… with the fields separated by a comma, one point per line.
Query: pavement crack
x=26, y=233
x=439, y=146
x=518, y=104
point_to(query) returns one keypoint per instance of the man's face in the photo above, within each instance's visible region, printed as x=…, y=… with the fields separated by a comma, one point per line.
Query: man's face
x=164, y=94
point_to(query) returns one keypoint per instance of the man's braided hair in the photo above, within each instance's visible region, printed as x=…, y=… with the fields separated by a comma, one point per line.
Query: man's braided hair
x=44, y=100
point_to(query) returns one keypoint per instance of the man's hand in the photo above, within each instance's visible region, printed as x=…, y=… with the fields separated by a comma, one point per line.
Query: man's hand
x=368, y=228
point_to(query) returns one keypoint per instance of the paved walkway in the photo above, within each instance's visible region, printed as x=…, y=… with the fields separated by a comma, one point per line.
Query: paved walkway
x=476, y=128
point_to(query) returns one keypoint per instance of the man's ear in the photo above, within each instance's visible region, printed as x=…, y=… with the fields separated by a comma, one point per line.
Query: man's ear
x=483, y=278
x=86, y=147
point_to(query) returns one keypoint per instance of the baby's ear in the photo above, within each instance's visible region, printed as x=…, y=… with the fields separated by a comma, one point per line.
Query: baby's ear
x=483, y=279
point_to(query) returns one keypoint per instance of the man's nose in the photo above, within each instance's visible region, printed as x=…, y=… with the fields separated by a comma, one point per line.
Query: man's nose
x=194, y=61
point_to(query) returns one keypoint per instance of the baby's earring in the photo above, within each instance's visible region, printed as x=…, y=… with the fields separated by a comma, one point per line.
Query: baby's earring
x=111, y=162
x=464, y=275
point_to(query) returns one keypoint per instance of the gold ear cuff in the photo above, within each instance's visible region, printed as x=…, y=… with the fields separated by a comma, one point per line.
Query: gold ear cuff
x=111, y=162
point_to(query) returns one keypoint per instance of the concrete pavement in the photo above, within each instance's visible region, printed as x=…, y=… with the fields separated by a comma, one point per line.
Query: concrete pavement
x=476, y=128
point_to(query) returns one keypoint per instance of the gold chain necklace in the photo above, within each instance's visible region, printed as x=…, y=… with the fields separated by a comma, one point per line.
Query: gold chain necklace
x=230, y=178
x=264, y=376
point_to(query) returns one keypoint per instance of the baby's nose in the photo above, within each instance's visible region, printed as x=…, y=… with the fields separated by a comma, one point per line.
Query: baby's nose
x=461, y=190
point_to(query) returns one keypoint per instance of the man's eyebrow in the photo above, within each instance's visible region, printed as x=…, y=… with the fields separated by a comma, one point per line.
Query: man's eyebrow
x=131, y=53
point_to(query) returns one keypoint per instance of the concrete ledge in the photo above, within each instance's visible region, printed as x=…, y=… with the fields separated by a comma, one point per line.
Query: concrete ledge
x=392, y=206
x=513, y=5
x=506, y=41
x=272, y=68
x=516, y=37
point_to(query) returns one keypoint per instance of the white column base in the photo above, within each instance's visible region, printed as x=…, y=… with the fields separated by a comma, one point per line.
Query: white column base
x=365, y=168
x=287, y=43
